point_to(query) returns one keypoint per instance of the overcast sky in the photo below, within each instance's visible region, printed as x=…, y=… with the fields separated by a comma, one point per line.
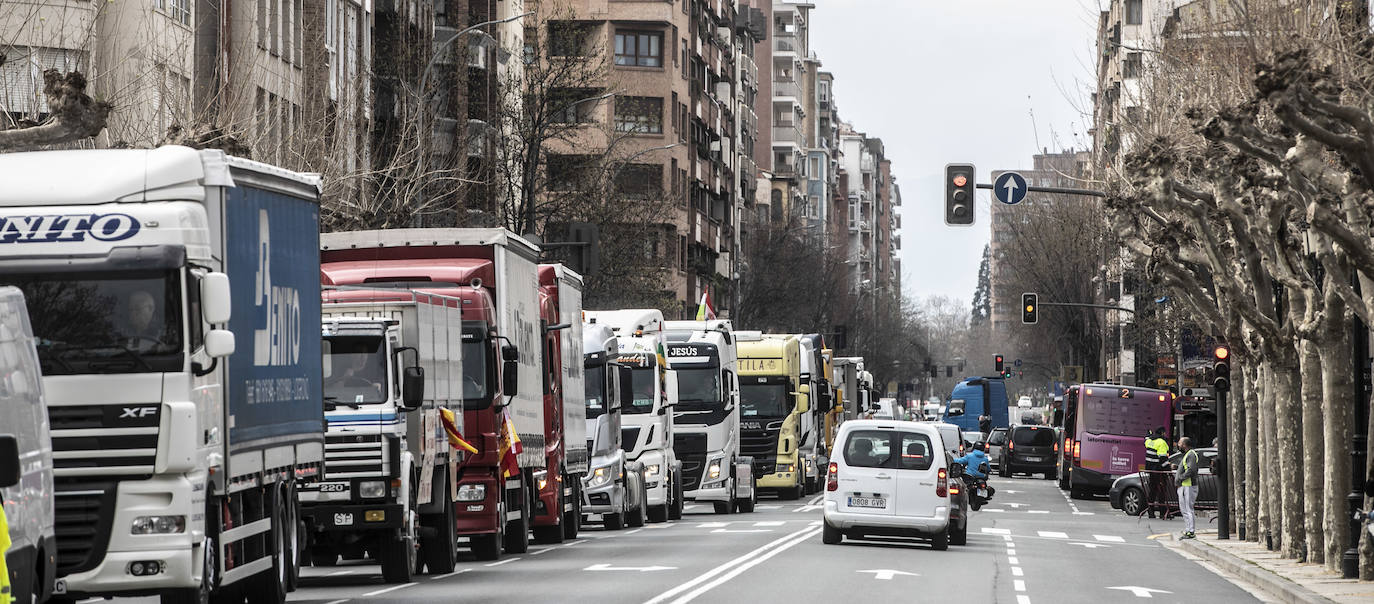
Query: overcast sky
x=956, y=81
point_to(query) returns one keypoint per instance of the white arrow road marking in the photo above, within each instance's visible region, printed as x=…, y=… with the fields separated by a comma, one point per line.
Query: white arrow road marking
x=1140, y=592
x=996, y=531
x=1052, y=535
x=642, y=569
x=1109, y=538
x=742, y=530
x=886, y=574
x=1088, y=545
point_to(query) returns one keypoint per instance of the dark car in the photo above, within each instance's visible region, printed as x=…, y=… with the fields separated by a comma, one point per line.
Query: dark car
x=996, y=439
x=1128, y=496
x=958, y=509
x=1030, y=450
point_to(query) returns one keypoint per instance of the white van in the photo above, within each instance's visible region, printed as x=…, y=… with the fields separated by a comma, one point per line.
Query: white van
x=25, y=456
x=888, y=478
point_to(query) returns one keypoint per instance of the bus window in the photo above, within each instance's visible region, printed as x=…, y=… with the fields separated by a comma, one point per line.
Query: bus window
x=1135, y=416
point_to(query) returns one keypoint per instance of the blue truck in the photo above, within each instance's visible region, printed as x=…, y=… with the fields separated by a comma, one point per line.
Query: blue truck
x=175, y=299
x=974, y=396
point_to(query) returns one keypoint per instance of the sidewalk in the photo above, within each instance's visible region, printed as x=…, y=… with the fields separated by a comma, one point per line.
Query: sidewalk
x=1283, y=579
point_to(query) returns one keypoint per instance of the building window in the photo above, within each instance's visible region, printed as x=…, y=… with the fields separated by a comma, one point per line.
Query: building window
x=1134, y=12
x=178, y=10
x=563, y=172
x=639, y=48
x=1132, y=66
x=640, y=180
x=639, y=115
x=573, y=105
x=568, y=39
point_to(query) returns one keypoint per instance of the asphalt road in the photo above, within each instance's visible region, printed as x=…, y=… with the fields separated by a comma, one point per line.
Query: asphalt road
x=1032, y=544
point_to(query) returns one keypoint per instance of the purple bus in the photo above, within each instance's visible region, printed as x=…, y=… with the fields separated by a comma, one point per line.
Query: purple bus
x=1104, y=433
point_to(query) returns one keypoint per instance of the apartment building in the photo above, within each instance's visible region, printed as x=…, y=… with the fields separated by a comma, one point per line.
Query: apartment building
x=681, y=123
x=790, y=94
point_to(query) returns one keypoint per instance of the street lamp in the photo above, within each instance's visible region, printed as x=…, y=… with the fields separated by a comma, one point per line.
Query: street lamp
x=443, y=46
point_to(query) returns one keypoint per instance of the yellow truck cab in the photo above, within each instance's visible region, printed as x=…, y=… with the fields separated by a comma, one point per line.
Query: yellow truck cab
x=772, y=405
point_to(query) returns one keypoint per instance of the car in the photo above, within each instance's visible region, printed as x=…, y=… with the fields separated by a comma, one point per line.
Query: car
x=1024, y=402
x=996, y=439
x=951, y=436
x=1032, y=450
x=973, y=436
x=1127, y=494
x=889, y=478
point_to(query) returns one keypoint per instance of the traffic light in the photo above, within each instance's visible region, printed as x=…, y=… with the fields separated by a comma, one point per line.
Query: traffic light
x=959, y=188
x=1000, y=366
x=1221, y=368
x=1030, y=308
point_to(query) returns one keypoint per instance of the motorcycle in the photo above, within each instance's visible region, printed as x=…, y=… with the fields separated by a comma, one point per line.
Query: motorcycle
x=979, y=491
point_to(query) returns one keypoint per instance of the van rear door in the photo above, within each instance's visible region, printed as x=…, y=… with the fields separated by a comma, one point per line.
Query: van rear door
x=917, y=473
x=868, y=480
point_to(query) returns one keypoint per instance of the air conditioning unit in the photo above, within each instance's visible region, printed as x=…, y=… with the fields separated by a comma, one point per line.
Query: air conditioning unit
x=722, y=90
x=723, y=36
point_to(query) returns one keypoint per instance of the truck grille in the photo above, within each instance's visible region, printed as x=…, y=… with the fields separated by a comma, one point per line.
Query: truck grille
x=355, y=456
x=762, y=445
x=116, y=441
x=84, y=513
x=691, y=450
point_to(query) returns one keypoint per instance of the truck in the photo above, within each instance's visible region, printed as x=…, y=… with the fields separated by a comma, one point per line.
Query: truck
x=845, y=377
x=614, y=485
x=556, y=514
x=392, y=367
x=975, y=396
x=647, y=433
x=26, y=479
x=494, y=273
x=706, y=435
x=771, y=408
x=177, y=451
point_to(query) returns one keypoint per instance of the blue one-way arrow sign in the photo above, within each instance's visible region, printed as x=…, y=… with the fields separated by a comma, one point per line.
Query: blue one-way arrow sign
x=1009, y=188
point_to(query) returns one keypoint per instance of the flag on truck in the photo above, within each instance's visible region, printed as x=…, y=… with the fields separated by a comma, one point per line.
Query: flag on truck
x=510, y=446
x=704, y=310
x=455, y=439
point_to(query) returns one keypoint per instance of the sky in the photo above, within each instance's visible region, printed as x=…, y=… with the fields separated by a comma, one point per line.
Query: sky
x=957, y=81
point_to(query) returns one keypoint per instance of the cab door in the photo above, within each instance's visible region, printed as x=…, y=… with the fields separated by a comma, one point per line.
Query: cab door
x=867, y=474
x=918, y=474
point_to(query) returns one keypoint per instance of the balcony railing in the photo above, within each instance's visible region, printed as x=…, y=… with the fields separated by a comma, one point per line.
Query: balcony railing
x=785, y=42
x=787, y=133
x=786, y=89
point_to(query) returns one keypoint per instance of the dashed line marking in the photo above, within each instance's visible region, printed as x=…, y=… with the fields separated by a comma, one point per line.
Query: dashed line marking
x=1011, y=551
x=1109, y=538
x=1037, y=511
x=506, y=561
x=342, y=572
x=996, y=531
x=389, y=589
x=1022, y=599
x=1052, y=534
x=1018, y=585
x=456, y=572
x=542, y=551
x=1013, y=561
x=713, y=525
x=632, y=532
x=771, y=523
x=1016, y=571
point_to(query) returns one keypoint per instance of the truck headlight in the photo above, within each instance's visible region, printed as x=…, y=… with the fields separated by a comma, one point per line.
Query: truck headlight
x=158, y=525
x=651, y=470
x=601, y=476
x=713, y=470
x=372, y=489
x=472, y=492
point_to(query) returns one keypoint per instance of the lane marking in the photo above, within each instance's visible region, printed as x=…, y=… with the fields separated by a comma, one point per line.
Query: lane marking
x=1037, y=511
x=388, y=589
x=746, y=566
x=1109, y=538
x=1052, y=534
x=750, y=558
x=542, y=551
x=816, y=500
x=771, y=523
x=721, y=530
x=1011, y=552
x=996, y=531
x=768, y=507
x=506, y=561
x=1013, y=561
x=994, y=510
x=1077, y=513
x=1018, y=585
x=807, y=508
x=1022, y=599
x=713, y=525
x=447, y=575
x=632, y=532
x=334, y=602
x=817, y=523
x=1016, y=571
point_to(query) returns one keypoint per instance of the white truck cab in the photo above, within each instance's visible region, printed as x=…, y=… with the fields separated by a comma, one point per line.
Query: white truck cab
x=26, y=487
x=614, y=486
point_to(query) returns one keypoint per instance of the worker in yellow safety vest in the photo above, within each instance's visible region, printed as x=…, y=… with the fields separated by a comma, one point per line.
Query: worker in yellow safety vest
x=6, y=597
x=1186, y=478
x=1156, y=454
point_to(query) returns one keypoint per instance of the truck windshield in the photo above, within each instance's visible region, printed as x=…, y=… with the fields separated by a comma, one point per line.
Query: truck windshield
x=474, y=373
x=595, y=389
x=764, y=400
x=644, y=388
x=105, y=322
x=354, y=370
x=698, y=388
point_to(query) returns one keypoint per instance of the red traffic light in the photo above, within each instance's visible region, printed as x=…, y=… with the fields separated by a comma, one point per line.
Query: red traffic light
x=960, y=180
x=1221, y=353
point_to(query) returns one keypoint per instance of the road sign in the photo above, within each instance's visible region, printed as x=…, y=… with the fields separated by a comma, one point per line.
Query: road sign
x=1009, y=188
x=886, y=574
x=1141, y=592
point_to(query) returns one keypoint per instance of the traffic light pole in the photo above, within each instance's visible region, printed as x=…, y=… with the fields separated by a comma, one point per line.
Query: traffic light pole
x=1223, y=492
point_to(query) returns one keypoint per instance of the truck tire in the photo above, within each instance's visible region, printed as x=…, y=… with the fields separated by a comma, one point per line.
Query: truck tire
x=399, y=557
x=486, y=547
x=675, y=510
x=636, y=519
x=747, y=505
x=1063, y=479
x=518, y=531
x=658, y=513
x=572, y=519
x=209, y=577
x=440, y=550
x=270, y=586
x=613, y=522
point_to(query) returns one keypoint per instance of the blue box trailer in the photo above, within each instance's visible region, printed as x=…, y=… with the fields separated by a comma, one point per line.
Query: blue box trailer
x=979, y=394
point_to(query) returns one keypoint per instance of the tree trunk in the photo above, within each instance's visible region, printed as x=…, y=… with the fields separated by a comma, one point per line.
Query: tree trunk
x=1313, y=452
x=1234, y=455
x=1336, y=430
x=1366, y=540
x=1288, y=431
x=1268, y=493
x=1253, y=506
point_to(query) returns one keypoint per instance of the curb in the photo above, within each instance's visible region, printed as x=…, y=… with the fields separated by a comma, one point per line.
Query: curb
x=1279, y=587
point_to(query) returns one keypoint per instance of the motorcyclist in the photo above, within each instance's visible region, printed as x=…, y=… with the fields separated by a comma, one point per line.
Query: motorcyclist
x=975, y=461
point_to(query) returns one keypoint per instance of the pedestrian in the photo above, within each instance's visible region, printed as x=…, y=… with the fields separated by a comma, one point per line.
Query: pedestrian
x=1187, y=490
x=985, y=423
x=1156, y=454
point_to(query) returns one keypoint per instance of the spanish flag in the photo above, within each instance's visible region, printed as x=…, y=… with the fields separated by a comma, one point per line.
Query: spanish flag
x=705, y=312
x=510, y=446
x=451, y=429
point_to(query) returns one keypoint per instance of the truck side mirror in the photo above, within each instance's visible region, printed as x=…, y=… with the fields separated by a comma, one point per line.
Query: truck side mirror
x=9, y=461
x=412, y=387
x=215, y=305
x=627, y=391
x=803, y=401
x=219, y=343
x=510, y=378
x=510, y=353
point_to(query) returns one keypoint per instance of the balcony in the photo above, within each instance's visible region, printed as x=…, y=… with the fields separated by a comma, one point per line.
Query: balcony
x=786, y=89
x=788, y=132
x=785, y=43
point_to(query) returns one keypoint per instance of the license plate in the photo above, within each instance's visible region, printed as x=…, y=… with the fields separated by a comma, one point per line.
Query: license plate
x=982, y=492
x=343, y=519
x=867, y=502
x=59, y=587
x=1033, y=459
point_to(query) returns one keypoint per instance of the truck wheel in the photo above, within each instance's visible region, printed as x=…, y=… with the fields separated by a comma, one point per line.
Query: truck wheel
x=270, y=585
x=1063, y=480
x=613, y=522
x=486, y=547
x=636, y=519
x=399, y=557
x=518, y=531
x=209, y=568
x=675, y=510
x=440, y=551
x=747, y=505
x=658, y=513
x=572, y=519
